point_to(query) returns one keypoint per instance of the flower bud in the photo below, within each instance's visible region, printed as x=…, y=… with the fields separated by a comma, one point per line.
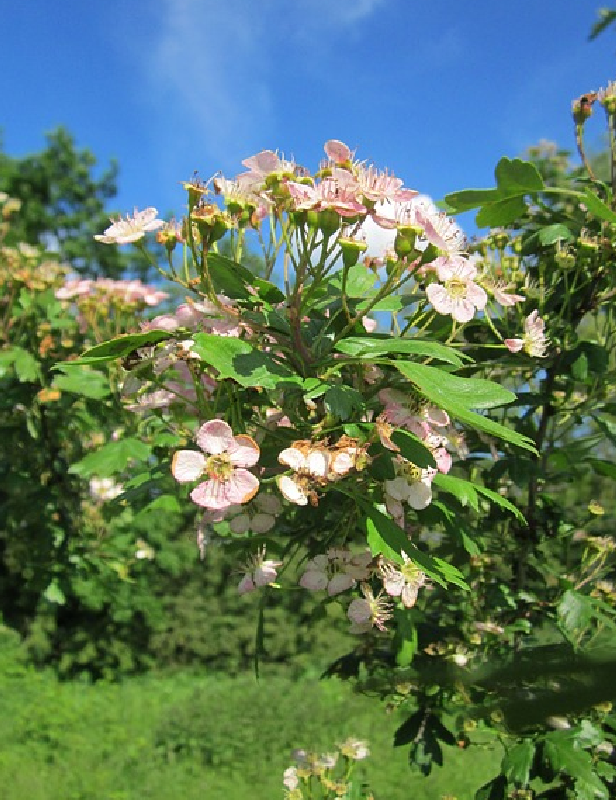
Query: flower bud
x=351, y=250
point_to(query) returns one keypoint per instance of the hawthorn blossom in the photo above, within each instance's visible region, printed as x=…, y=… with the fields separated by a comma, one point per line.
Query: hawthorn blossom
x=355, y=749
x=336, y=571
x=339, y=194
x=458, y=295
x=258, y=517
x=368, y=611
x=131, y=229
x=505, y=298
x=412, y=485
x=228, y=481
x=402, y=580
x=534, y=342
x=258, y=572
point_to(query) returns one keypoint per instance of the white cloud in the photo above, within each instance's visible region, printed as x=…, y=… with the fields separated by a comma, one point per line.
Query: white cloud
x=216, y=64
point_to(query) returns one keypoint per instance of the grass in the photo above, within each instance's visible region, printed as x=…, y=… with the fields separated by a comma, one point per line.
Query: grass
x=188, y=736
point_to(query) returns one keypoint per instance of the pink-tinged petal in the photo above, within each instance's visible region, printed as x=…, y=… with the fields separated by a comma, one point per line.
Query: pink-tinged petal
x=393, y=583
x=292, y=491
x=398, y=489
x=440, y=299
x=343, y=463
x=514, y=345
x=246, y=584
x=240, y=524
x=443, y=460
x=359, y=611
x=211, y=494
x=476, y=295
x=420, y=494
x=265, y=573
x=437, y=416
x=340, y=583
x=244, y=452
x=506, y=299
x=215, y=437
x=369, y=324
x=463, y=310
x=262, y=523
x=293, y=458
x=337, y=151
x=263, y=162
x=187, y=465
x=241, y=487
x=314, y=580
x=409, y=594
x=269, y=504
x=317, y=462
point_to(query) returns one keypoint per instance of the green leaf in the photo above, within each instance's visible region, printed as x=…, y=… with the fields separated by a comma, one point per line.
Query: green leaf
x=501, y=213
x=370, y=347
x=239, y=360
x=359, y=281
x=496, y=789
x=467, y=199
x=463, y=490
x=457, y=395
x=516, y=177
x=518, y=760
x=554, y=233
x=412, y=448
x=53, y=594
x=443, y=386
x=577, y=612
x=342, y=400
x=606, y=17
x=597, y=207
x=86, y=382
x=501, y=501
x=386, y=538
x=559, y=748
x=409, y=730
x=606, y=468
x=26, y=366
x=229, y=277
x=118, y=348
x=406, y=640
x=111, y=458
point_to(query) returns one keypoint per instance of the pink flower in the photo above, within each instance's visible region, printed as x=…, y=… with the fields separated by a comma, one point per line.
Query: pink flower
x=337, y=151
x=535, y=342
x=228, y=482
x=402, y=580
x=258, y=572
x=368, y=611
x=124, y=231
x=505, y=299
x=459, y=295
x=339, y=194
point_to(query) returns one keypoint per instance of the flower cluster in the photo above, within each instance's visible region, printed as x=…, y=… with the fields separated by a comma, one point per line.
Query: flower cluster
x=131, y=293
x=331, y=771
x=301, y=407
x=315, y=465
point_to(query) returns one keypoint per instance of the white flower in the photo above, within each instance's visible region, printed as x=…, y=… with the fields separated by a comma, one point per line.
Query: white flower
x=534, y=342
x=124, y=231
x=458, y=295
x=258, y=572
x=402, y=580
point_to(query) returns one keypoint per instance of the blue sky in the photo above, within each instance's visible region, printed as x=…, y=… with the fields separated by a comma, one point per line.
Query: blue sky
x=436, y=91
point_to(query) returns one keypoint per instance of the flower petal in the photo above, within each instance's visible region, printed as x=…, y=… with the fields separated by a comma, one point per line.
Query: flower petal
x=244, y=452
x=241, y=487
x=187, y=465
x=215, y=437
